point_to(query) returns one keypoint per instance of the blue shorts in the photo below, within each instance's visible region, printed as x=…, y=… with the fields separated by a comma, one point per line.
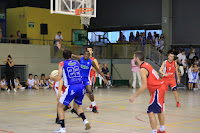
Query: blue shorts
x=75, y=92
x=86, y=82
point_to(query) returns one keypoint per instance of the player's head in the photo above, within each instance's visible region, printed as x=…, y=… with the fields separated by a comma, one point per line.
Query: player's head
x=138, y=57
x=3, y=78
x=30, y=76
x=86, y=55
x=35, y=77
x=67, y=54
x=43, y=76
x=17, y=78
x=90, y=50
x=170, y=56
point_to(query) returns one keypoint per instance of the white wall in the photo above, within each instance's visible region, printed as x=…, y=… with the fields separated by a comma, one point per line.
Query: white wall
x=36, y=57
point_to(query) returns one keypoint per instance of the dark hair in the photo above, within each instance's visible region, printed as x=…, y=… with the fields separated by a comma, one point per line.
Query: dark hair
x=183, y=50
x=59, y=32
x=2, y=77
x=30, y=74
x=81, y=54
x=140, y=55
x=18, y=78
x=170, y=53
x=43, y=75
x=35, y=76
x=89, y=47
x=67, y=54
x=191, y=46
x=9, y=56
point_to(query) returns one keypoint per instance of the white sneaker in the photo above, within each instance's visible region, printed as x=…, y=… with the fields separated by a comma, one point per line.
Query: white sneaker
x=86, y=124
x=8, y=90
x=46, y=87
x=15, y=89
x=37, y=88
x=22, y=88
x=60, y=130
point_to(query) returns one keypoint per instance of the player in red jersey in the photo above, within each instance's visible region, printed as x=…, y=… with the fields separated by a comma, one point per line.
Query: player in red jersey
x=168, y=70
x=92, y=78
x=156, y=87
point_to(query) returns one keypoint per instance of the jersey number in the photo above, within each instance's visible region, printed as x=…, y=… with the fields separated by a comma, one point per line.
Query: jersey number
x=73, y=72
x=155, y=74
x=170, y=68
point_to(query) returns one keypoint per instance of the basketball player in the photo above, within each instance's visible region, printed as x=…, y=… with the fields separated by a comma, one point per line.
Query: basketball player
x=92, y=72
x=70, y=71
x=86, y=66
x=156, y=87
x=168, y=70
x=56, y=86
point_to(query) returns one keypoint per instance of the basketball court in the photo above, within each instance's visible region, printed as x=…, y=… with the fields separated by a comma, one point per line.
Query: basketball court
x=37, y=113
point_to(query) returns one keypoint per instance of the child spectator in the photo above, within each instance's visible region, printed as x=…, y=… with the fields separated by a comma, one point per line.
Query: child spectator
x=36, y=80
x=190, y=76
x=17, y=84
x=50, y=83
x=3, y=84
x=30, y=82
x=43, y=82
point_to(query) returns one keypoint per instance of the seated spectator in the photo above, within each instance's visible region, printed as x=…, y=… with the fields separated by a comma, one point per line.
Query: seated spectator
x=182, y=60
x=191, y=54
x=17, y=84
x=122, y=38
x=36, y=80
x=195, y=74
x=12, y=40
x=149, y=38
x=195, y=60
x=137, y=38
x=30, y=82
x=3, y=84
x=43, y=82
x=50, y=83
x=131, y=38
x=107, y=74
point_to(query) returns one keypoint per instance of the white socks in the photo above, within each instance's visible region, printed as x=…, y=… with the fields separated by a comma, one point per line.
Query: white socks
x=93, y=103
x=162, y=128
x=154, y=131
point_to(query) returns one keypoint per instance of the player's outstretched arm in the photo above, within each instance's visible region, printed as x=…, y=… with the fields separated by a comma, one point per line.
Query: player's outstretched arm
x=97, y=69
x=143, y=74
x=161, y=69
x=76, y=56
x=60, y=71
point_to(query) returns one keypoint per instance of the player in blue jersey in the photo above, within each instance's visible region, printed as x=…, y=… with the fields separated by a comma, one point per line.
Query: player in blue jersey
x=86, y=66
x=70, y=70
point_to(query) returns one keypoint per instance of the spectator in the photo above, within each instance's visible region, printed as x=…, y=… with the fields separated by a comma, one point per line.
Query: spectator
x=131, y=37
x=9, y=72
x=3, y=84
x=157, y=41
x=0, y=33
x=100, y=77
x=182, y=58
x=195, y=60
x=58, y=38
x=162, y=43
x=36, y=81
x=19, y=37
x=190, y=76
x=149, y=38
x=12, y=40
x=195, y=74
x=154, y=37
x=142, y=39
x=107, y=73
x=43, y=82
x=30, y=82
x=136, y=75
x=17, y=84
x=122, y=38
x=137, y=38
x=50, y=83
x=174, y=51
x=191, y=54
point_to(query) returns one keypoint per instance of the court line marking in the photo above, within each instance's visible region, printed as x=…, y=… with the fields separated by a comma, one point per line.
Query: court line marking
x=6, y=131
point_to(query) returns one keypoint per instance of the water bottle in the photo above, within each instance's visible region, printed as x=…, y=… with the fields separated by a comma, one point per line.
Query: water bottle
x=30, y=87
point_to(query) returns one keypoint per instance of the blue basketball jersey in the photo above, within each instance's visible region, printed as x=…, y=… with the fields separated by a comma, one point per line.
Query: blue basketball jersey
x=71, y=72
x=86, y=66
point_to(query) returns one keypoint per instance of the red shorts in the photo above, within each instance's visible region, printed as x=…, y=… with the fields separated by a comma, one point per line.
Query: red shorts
x=156, y=104
x=92, y=80
x=170, y=82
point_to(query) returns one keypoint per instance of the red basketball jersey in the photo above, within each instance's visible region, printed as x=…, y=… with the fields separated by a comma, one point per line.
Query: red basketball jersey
x=92, y=72
x=153, y=80
x=56, y=85
x=169, y=69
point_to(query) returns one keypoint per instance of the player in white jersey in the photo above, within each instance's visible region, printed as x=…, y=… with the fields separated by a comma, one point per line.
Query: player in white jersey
x=17, y=83
x=30, y=82
x=3, y=84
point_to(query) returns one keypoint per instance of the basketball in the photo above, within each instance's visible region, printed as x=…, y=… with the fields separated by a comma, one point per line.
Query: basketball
x=54, y=73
